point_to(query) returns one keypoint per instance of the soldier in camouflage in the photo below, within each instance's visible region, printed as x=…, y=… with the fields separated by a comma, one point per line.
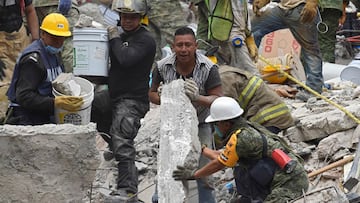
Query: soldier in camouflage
x=202, y=26
x=164, y=22
x=249, y=149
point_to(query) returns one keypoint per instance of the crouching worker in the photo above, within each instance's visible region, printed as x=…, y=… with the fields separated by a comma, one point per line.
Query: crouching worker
x=30, y=91
x=262, y=174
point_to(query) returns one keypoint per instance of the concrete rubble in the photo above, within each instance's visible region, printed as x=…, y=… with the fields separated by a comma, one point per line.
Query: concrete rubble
x=323, y=134
x=179, y=143
x=65, y=84
x=47, y=163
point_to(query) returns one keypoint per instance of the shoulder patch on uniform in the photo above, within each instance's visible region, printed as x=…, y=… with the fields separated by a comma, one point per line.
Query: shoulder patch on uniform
x=34, y=57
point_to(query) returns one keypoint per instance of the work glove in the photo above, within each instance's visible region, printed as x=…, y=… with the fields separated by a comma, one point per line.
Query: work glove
x=258, y=4
x=191, y=89
x=159, y=89
x=309, y=11
x=183, y=173
x=253, y=50
x=113, y=32
x=69, y=103
x=64, y=6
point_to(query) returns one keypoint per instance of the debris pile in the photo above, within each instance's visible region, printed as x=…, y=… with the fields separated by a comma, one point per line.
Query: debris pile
x=323, y=134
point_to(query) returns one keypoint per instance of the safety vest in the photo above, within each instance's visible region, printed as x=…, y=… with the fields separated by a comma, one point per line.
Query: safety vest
x=11, y=15
x=50, y=62
x=260, y=104
x=220, y=19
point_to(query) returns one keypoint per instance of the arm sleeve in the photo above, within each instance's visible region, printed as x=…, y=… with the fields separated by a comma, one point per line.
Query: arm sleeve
x=229, y=156
x=156, y=77
x=213, y=79
x=30, y=77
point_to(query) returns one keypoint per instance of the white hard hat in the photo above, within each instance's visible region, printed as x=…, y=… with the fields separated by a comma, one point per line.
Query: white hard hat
x=224, y=108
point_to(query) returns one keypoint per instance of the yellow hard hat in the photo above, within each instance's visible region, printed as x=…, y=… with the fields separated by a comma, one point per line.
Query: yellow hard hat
x=56, y=24
x=145, y=20
x=213, y=59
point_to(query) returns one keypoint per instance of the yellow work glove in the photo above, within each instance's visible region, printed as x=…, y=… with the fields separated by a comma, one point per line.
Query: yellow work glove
x=253, y=50
x=258, y=4
x=69, y=103
x=309, y=11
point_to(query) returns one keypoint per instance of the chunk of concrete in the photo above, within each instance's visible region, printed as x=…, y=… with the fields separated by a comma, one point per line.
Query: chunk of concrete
x=328, y=146
x=47, y=163
x=321, y=125
x=179, y=142
x=65, y=84
x=331, y=194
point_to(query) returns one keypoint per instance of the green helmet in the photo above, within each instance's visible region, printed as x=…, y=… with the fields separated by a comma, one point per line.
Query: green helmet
x=130, y=6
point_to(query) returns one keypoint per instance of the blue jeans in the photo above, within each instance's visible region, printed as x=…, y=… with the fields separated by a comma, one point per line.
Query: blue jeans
x=305, y=34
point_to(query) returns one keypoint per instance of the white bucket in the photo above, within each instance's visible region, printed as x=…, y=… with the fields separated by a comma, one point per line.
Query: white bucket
x=332, y=70
x=351, y=72
x=91, y=51
x=82, y=116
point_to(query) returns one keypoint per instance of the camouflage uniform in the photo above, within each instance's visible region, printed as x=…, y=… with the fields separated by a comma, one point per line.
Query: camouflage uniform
x=263, y=105
x=202, y=26
x=165, y=17
x=330, y=11
x=44, y=7
x=244, y=150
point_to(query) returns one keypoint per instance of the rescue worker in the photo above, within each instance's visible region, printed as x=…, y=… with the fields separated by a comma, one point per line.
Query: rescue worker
x=237, y=45
x=202, y=86
x=300, y=16
x=161, y=22
x=333, y=16
x=132, y=54
x=69, y=9
x=164, y=22
x=14, y=39
x=202, y=25
x=13, y=34
x=30, y=91
x=260, y=104
x=250, y=151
